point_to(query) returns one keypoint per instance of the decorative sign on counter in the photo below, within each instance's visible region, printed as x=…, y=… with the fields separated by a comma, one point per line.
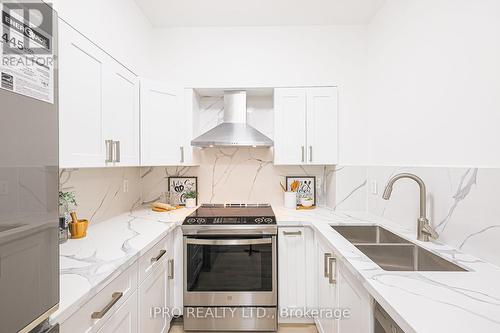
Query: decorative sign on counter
x=179, y=187
x=306, y=188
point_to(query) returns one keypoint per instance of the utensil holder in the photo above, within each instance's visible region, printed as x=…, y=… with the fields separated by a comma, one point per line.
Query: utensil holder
x=290, y=199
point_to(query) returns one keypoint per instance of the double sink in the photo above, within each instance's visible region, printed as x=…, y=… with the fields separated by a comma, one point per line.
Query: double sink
x=394, y=253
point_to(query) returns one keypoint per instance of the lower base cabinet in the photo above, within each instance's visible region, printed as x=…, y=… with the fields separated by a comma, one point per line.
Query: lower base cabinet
x=297, y=273
x=338, y=289
x=327, y=289
x=124, y=320
x=154, y=315
x=357, y=300
x=127, y=303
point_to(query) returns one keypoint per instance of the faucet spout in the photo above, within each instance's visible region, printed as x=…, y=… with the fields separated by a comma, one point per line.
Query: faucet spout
x=425, y=231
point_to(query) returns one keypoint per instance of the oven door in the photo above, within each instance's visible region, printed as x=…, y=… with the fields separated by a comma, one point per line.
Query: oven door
x=229, y=271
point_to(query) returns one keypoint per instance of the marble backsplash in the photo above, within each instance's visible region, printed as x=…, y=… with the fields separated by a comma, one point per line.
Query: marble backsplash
x=237, y=175
x=233, y=175
x=462, y=203
x=102, y=193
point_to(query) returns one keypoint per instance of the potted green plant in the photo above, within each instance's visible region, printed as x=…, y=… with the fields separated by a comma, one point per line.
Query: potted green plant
x=191, y=199
x=67, y=201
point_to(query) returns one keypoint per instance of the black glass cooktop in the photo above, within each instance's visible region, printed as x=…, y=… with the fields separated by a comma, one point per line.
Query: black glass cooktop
x=232, y=214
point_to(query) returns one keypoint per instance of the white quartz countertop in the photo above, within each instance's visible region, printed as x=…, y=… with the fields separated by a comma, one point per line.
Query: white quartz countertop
x=88, y=264
x=420, y=302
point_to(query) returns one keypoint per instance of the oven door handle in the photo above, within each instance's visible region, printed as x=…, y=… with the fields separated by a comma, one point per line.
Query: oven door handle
x=198, y=241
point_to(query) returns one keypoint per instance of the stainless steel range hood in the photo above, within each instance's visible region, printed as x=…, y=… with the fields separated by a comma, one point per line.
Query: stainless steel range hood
x=234, y=131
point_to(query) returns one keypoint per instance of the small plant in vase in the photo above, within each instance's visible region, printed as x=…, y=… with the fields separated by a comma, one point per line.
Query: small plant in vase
x=191, y=199
x=67, y=201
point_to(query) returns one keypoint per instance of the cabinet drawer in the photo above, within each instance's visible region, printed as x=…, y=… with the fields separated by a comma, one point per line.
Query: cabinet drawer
x=124, y=320
x=93, y=314
x=152, y=259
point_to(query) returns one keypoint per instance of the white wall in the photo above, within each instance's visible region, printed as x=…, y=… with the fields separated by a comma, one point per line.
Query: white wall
x=117, y=26
x=434, y=83
x=275, y=56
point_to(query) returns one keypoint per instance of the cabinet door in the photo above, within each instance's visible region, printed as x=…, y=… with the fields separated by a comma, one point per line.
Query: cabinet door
x=81, y=67
x=162, y=125
x=322, y=125
x=290, y=126
x=177, y=270
x=354, y=297
x=153, y=293
x=121, y=113
x=124, y=320
x=327, y=290
x=292, y=268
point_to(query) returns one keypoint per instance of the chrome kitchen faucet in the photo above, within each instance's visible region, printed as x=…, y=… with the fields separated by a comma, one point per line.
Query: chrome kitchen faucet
x=424, y=230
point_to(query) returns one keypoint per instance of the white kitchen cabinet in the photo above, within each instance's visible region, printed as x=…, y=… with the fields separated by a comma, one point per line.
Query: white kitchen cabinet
x=124, y=320
x=296, y=271
x=339, y=289
x=153, y=292
x=327, y=289
x=176, y=270
x=354, y=297
x=156, y=276
x=322, y=125
x=92, y=315
x=306, y=126
x=290, y=126
x=81, y=128
x=121, y=113
x=165, y=125
x=98, y=105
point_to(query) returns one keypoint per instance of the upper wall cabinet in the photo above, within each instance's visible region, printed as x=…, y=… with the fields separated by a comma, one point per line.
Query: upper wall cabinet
x=306, y=126
x=165, y=125
x=99, y=105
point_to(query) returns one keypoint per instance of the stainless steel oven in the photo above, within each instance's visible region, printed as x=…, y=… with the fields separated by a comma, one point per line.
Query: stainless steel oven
x=230, y=269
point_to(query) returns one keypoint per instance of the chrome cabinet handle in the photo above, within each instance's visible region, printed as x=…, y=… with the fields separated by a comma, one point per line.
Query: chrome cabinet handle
x=310, y=153
x=331, y=277
x=115, y=297
x=325, y=264
x=303, y=154
x=109, y=151
x=171, y=269
x=292, y=233
x=158, y=257
x=116, y=151
x=182, y=154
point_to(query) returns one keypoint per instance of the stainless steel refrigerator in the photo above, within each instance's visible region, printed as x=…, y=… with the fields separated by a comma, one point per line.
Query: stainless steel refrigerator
x=29, y=250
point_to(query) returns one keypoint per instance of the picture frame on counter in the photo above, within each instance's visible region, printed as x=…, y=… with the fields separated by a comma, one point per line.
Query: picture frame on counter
x=178, y=187
x=306, y=189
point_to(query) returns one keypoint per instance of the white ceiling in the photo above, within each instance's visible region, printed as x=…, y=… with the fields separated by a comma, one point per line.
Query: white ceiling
x=189, y=13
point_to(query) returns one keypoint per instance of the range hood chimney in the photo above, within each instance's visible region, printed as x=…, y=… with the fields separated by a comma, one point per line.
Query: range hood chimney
x=234, y=131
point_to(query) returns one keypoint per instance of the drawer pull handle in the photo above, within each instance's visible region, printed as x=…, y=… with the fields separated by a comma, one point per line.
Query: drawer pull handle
x=325, y=264
x=114, y=298
x=109, y=151
x=171, y=269
x=162, y=253
x=331, y=277
x=292, y=233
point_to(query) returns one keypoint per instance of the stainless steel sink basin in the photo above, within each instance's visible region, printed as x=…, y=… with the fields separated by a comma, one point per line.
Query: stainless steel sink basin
x=394, y=253
x=406, y=257
x=368, y=234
